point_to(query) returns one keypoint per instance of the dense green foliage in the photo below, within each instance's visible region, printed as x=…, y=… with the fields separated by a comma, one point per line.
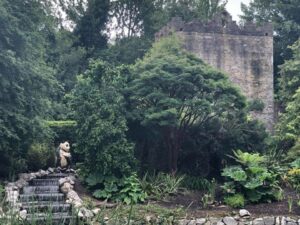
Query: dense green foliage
x=290, y=70
x=41, y=156
x=178, y=101
x=25, y=80
x=235, y=200
x=251, y=179
x=288, y=127
x=101, y=126
x=62, y=77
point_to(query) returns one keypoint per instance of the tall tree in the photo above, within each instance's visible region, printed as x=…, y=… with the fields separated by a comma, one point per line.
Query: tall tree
x=25, y=79
x=90, y=27
x=290, y=75
x=173, y=91
x=101, y=125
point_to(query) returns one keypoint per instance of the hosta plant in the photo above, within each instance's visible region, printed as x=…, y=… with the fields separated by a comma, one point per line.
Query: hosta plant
x=251, y=178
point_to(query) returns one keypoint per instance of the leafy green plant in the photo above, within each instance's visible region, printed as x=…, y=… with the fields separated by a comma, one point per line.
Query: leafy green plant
x=195, y=183
x=235, y=201
x=107, y=187
x=127, y=190
x=132, y=192
x=252, y=178
x=293, y=174
x=161, y=185
x=290, y=204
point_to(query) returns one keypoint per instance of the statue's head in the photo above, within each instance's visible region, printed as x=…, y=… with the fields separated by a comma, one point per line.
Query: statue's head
x=65, y=146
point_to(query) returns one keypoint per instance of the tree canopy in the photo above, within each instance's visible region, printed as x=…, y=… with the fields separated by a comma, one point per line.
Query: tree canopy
x=173, y=91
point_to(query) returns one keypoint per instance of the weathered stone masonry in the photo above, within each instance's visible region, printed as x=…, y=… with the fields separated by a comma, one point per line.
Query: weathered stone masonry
x=245, y=53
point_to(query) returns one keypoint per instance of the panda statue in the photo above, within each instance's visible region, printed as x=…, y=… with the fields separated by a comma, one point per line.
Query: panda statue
x=63, y=155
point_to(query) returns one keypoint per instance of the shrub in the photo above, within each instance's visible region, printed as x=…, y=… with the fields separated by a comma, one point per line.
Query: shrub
x=235, y=201
x=106, y=154
x=293, y=174
x=252, y=178
x=40, y=156
x=127, y=190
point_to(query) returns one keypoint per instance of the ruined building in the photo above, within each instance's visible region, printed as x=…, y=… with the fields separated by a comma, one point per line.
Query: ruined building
x=245, y=53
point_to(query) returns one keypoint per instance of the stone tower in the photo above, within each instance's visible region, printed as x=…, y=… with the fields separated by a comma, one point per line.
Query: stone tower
x=245, y=53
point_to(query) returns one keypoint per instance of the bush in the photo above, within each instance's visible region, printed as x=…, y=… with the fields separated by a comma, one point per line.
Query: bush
x=127, y=190
x=293, y=174
x=235, y=201
x=252, y=178
x=106, y=154
x=40, y=156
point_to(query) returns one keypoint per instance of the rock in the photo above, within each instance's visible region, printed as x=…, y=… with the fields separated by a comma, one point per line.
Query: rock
x=207, y=222
x=80, y=214
x=66, y=187
x=148, y=218
x=288, y=219
x=70, y=180
x=269, y=220
x=85, y=213
x=51, y=170
x=277, y=221
x=236, y=217
x=214, y=220
x=73, y=197
x=283, y=221
x=220, y=223
x=200, y=221
x=24, y=176
x=192, y=222
x=23, y=214
x=183, y=222
x=32, y=176
x=244, y=212
x=96, y=211
x=258, y=221
x=229, y=221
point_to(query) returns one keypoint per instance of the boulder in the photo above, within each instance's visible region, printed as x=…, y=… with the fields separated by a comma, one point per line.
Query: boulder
x=244, y=213
x=229, y=221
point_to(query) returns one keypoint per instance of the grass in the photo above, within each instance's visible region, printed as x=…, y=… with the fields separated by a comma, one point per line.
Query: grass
x=121, y=215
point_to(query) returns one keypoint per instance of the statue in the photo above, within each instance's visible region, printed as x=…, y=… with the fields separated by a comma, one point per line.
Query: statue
x=63, y=155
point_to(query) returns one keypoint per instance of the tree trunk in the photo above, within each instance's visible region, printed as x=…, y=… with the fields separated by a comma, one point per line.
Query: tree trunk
x=173, y=140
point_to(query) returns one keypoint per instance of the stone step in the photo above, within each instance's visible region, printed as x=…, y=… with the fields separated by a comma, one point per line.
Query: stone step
x=42, y=197
x=45, y=182
x=35, y=203
x=40, y=189
x=54, y=218
x=45, y=207
x=57, y=175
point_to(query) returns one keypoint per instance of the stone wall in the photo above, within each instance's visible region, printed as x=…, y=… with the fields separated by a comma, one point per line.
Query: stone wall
x=245, y=53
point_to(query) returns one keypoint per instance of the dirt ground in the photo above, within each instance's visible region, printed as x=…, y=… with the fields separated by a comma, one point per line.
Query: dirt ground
x=191, y=201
